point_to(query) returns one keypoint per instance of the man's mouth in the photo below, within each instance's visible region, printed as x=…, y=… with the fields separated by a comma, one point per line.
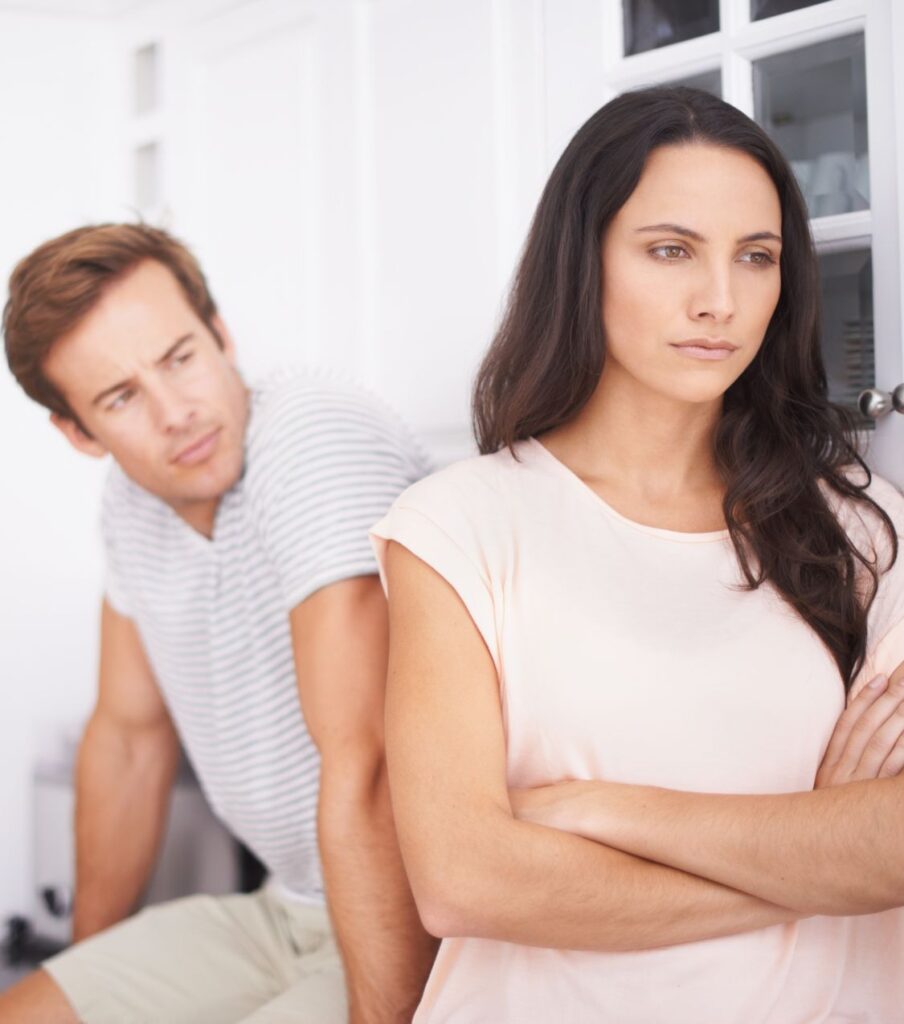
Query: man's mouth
x=198, y=450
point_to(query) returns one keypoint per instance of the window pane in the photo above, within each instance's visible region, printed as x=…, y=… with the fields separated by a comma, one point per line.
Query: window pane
x=847, y=315
x=769, y=8
x=813, y=104
x=146, y=65
x=708, y=81
x=653, y=23
x=147, y=176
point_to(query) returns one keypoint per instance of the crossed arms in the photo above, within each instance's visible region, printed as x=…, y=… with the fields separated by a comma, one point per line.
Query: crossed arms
x=622, y=867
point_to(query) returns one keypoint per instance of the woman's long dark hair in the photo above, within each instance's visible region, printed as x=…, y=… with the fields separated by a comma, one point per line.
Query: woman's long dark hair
x=778, y=436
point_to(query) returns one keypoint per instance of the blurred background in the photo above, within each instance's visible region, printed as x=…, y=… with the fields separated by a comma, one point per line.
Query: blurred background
x=357, y=177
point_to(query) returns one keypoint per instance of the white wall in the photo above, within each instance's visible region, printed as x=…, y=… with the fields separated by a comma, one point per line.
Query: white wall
x=58, y=113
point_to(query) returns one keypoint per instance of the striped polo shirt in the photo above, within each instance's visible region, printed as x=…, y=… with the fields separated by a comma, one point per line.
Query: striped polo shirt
x=323, y=462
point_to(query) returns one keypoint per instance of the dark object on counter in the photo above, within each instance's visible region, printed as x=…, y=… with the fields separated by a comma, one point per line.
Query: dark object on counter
x=251, y=872
x=22, y=946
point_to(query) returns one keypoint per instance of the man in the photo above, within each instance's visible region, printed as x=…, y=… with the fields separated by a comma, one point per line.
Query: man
x=242, y=614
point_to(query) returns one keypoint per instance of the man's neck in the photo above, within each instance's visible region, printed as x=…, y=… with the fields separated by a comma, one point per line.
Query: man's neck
x=200, y=515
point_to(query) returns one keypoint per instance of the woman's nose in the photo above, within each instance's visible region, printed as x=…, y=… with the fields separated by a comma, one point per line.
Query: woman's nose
x=714, y=297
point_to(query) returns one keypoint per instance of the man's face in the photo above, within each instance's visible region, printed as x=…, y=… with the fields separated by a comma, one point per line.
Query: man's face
x=151, y=386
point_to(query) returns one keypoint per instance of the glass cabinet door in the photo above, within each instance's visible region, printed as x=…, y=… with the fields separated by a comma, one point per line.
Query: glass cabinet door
x=760, y=9
x=847, y=325
x=813, y=103
x=769, y=8
x=650, y=24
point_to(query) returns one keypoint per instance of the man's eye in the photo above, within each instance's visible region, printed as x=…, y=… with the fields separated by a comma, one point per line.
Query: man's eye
x=120, y=400
x=182, y=357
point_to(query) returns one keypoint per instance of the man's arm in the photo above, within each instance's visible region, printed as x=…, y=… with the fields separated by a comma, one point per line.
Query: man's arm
x=474, y=869
x=126, y=764
x=837, y=850
x=340, y=641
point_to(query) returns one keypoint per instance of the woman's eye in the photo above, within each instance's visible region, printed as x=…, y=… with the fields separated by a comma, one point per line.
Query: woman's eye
x=758, y=259
x=668, y=248
x=764, y=259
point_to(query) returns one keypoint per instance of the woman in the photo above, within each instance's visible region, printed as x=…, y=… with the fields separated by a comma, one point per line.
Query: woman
x=622, y=637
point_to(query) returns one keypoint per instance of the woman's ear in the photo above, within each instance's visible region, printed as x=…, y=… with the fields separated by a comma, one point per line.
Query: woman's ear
x=76, y=436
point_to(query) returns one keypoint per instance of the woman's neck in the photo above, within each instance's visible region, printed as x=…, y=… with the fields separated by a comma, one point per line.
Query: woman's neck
x=631, y=440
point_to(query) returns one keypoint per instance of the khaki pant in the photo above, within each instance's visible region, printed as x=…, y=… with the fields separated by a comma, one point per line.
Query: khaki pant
x=254, y=959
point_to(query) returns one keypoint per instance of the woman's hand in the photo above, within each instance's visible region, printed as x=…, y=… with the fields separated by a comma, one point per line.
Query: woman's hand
x=868, y=741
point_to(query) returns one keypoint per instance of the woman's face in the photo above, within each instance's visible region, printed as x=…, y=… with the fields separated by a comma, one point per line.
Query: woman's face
x=693, y=254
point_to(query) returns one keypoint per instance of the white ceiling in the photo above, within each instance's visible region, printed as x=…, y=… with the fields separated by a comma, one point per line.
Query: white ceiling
x=72, y=8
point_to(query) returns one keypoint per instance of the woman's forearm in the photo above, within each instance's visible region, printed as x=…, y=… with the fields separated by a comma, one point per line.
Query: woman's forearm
x=832, y=851
x=517, y=882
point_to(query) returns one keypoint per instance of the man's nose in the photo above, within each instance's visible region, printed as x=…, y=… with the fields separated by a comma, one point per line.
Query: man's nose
x=172, y=411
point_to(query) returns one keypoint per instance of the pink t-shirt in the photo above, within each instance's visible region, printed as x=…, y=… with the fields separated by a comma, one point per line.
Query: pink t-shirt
x=623, y=653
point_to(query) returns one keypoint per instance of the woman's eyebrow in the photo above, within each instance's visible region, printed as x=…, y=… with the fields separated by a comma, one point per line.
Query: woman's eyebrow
x=677, y=229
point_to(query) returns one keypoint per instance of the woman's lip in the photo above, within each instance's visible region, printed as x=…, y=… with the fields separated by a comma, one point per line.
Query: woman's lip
x=198, y=451
x=700, y=352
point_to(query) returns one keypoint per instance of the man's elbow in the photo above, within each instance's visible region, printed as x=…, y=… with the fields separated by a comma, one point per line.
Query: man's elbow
x=354, y=784
x=147, y=750
x=354, y=815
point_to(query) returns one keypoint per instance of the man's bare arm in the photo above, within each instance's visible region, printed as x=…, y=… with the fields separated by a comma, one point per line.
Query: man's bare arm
x=474, y=869
x=126, y=764
x=340, y=641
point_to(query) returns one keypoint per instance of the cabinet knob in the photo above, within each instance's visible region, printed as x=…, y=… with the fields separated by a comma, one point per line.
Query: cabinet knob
x=58, y=900
x=875, y=404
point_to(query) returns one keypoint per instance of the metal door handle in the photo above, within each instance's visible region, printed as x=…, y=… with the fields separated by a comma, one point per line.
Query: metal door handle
x=875, y=404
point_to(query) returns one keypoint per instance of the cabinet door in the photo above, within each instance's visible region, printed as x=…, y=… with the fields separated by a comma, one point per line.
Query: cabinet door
x=357, y=179
x=262, y=153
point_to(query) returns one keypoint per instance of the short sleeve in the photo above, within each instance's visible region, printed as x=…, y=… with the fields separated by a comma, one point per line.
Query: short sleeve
x=885, y=627
x=446, y=521
x=323, y=467
x=112, y=508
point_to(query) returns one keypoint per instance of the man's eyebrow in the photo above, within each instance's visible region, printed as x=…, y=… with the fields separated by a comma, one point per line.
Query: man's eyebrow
x=677, y=229
x=171, y=351
x=168, y=354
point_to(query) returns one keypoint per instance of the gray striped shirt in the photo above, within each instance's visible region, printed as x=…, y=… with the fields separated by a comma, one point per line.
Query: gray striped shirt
x=322, y=464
